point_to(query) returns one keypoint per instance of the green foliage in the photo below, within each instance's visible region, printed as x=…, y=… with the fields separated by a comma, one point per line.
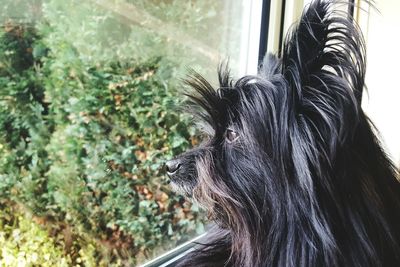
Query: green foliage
x=83, y=143
x=24, y=131
x=24, y=243
x=114, y=30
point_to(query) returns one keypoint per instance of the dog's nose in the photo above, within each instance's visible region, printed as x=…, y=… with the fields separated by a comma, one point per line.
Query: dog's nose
x=172, y=166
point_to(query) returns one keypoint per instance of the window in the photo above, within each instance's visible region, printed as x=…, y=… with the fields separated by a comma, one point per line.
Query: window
x=88, y=117
x=379, y=26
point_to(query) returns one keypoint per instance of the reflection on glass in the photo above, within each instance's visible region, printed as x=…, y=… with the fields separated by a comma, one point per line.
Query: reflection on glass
x=87, y=118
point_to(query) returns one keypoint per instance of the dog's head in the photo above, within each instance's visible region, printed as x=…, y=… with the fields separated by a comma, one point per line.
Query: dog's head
x=262, y=133
x=239, y=122
x=271, y=140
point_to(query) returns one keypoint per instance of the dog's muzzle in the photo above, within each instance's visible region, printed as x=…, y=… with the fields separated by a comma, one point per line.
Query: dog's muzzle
x=182, y=173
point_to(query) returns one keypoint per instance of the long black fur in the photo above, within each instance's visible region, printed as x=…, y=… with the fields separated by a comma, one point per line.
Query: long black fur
x=306, y=182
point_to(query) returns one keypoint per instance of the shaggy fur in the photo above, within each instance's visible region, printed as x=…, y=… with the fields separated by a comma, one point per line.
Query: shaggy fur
x=290, y=170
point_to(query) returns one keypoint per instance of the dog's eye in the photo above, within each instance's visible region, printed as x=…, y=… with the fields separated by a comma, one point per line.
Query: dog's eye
x=231, y=135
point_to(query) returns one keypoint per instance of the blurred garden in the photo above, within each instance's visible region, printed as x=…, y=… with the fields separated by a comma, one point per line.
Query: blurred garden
x=88, y=96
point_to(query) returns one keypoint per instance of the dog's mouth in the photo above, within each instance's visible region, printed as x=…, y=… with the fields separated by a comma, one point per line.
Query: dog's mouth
x=182, y=184
x=182, y=189
x=184, y=181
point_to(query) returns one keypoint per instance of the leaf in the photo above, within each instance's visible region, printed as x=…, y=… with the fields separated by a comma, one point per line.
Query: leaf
x=177, y=141
x=39, y=50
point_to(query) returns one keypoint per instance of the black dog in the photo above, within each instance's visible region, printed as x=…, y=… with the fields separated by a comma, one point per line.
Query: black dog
x=290, y=170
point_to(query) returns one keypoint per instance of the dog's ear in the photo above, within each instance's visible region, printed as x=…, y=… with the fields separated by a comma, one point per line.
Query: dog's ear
x=323, y=62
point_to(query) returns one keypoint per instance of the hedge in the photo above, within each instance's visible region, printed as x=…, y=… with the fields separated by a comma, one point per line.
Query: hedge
x=83, y=143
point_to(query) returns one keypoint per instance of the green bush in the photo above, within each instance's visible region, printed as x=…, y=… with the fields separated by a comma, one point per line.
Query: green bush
x=24, y=243
x=83, y=145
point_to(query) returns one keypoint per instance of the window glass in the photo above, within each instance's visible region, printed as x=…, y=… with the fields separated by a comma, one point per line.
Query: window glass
x=380, y=100
x=89, y=91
